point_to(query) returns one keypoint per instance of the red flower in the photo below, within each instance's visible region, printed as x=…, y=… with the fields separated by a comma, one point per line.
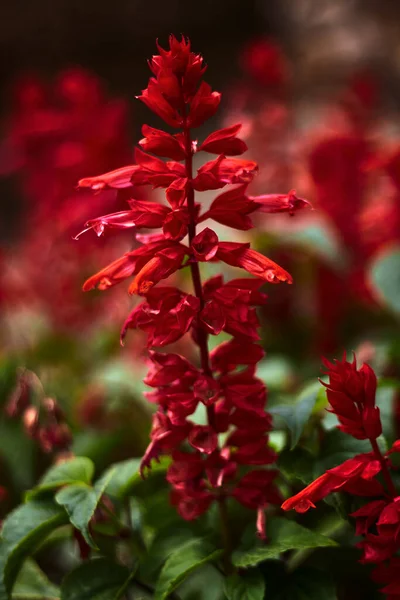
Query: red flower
x=166, y=315
x=232, y=209
x=153, y=98
x=224, y=141
x=203, y=106
x=162, y=265
x=205, y=245
x=162, y=144
x=118, y=179
x=234, y=397
x=277, y=203
x=240, y=255
x=154, y=171
x=355, y=475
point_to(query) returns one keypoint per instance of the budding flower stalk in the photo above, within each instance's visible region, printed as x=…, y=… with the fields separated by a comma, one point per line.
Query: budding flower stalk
x=203, y=470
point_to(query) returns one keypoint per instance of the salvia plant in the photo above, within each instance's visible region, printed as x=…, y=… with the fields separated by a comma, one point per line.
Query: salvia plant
x=200, y=515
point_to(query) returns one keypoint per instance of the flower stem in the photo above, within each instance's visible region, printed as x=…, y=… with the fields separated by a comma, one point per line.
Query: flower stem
x=202, y=336
x=385, y=471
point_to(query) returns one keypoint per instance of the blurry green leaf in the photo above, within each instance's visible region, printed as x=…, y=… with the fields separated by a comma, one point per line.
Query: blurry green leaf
x=99, y=579
x=283, y=535
x=296, y=414
x=276, y=372
x=18, y=453
x=385, y=396
x=76, y=470
x=296, y=464
x=32, y=584
x=187, y=558
x=249, y=585
x=319, y=240
x=193, y=587
x=23, y=530
x=80, y=502
x=163, y=545
x=384, y=274
x=125, y=477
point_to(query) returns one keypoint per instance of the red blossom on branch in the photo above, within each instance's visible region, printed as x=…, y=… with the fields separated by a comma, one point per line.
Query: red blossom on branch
x=203, y=470
x=351, y=395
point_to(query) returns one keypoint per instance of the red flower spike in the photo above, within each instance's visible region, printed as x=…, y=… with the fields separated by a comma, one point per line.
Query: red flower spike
x=351, y=394
x=226, y=383
x=224, y=141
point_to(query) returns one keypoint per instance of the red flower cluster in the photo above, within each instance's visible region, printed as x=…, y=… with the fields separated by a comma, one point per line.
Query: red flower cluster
x=43, y=419
x=205, y=468
x=351, y=394
x=51, y=139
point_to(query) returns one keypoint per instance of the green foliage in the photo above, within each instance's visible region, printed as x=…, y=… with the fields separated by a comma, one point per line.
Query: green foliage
x=32, y=584
x=187, y=558
x=99, y=579
x=384, y=275
x=248, y=585
x=295, y=414
x=283, y=535
x=22, y=532
x=77, y=470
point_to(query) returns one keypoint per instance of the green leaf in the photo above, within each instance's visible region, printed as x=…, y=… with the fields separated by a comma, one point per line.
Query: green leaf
x=283, y=535
x=193, y=587
x=76, y=470
x=80, y=501
x=185, y=560
x=23, y=530
x=384, y=275
x=319, y=240
x=296, y=414
x=125, y=477
x=249, y=585
x=98, y=579
x=32, y=584
x=165, y=542
x=296, y=464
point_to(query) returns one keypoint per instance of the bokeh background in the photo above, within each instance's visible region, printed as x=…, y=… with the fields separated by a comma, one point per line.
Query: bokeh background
x=317, y=88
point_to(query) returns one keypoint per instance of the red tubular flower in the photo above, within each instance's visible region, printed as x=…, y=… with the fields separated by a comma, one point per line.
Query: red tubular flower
x=234, y=397
x=355, y=475
x=240, y=255
x=161, y=143
x=118, y=179
x=224, y=141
